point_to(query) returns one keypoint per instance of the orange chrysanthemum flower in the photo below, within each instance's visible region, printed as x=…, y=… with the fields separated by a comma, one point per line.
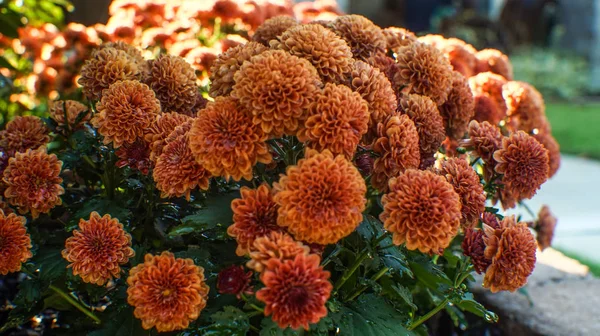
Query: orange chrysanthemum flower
x=15, y=243
x=428, y=121
x=98, y=249
x=485, y=139
x=177, y=172
x=376, y=90
x=321, y=199
x=336, y=121
x=135, y=156
x=125, y=112
x=134, y=53
x=23, y=133
x=276, y=88
x=76, y=114
x=227, y=65
x=486, y=109
x=490, y=84
x=225, y=142
x=295, y=291
x=278, y=245
x=398, y=148
x=495, y=61
x=363, y=36
x=326, y=51
x=423, y=70
x=272, y=28
x=254, y=216
x=523, y=162
x=511, y=249
x=474, y=247
x=526, y=108
x=544, y=227
x=422, y=210
x=105, y=67
x=167, y=292
x=466, y=183
x=33, y=182
x=461, y=55
x=398, y=37
x=162, y=125
x=548, y=141
x=173, y=81
x=459, y=108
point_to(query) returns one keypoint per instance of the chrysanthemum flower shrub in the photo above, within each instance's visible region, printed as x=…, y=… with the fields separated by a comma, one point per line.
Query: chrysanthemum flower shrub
x=339, y=179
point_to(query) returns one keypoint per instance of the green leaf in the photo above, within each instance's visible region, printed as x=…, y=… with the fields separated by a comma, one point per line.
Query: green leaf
x=368, y=228
x=270, y=328
x=405, y=294
x=56, y=301
x=230, y=322
x=102, y=207
x=393, y=258
x=469, y=304
x=10, y=21
x=121, y=323
x=429, y=274
x=4, y=63
x=216, y=210
x=50, y=264
x=370, y=315
x=30, y=291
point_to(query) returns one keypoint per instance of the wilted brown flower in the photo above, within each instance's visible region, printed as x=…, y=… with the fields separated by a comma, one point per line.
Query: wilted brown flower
x=423, y=70
x=544, y=226
x=160, y=128
x=174, y=82
x=428, y=121
x=15, y=243
x=273, y=27
x=227, y=65
x=276, y=88
x=376, y=90
x=135, y=156
x=295, y=291
x=490, y=84
x=33, y=182
x=474, y=247
x=525, y=106
x=321, y=199
x=278, y=245
x=398, y=148
x=23, y=133
x=125, y=112
x=225, y=142
x=523, y=162
x=495, y=61
x=73, y=110
x=458, y=109
x=398, y=37
x=336, y=121
x=511, y=248
x=105, y=67
x=166, y=292
x=234, y=280
x=548, y=141
x=363, y=36
x=326, y=51
x=254, y=216
x=485, y=139
x=466, y=183
x=422, y=210
x=98, y=249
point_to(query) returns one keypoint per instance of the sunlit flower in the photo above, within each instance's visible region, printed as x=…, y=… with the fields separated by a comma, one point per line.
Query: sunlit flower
x=23, y=133
x=98, y=249
x=398, y=37
x=295, y=291
x=174, y=82
x=227, y=64
x=544, y=227
x=363, y=36
x=15, y=243
x=76, y=114
x=160, y=128
x=474, y=247
x=135, y=156
x=134, y=53
x=490, y=84
x=278, y=245
x=272, y=28
x=321, y=199
x=422, y=210
x=166, y=292
x=495, y=61
x=459, y=108
x=525, y=106
x=234, y=280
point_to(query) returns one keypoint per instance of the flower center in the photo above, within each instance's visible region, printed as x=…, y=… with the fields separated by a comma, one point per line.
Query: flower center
x=298, y=297
x=167, y=292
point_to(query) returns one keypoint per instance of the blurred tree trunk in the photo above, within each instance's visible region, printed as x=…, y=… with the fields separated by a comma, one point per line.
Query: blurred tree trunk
x=89, y=12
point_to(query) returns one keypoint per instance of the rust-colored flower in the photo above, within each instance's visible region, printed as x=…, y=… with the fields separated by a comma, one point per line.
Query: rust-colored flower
x=15, y=243
x=486, y=109
x=177, y=172
x=466, y=183
x=278, y=245
x=459, y=108
x=490, y=219
x=33, y=182
x=511, y=248
x=422, y=210
x=374, y=87
x=276, y=88
x=134, y=53
x=98, y=249
x=385, y=64
x=254, y=216
x=490, y=84
x=363, y=36
x=135, y=156
x=272, y=28
x=485, y=139
x=295, y=291
x=336, y=121
x=125, y=112
x=474, y=247
x=525, y=106
x=423, y=70
x=321, y=199
x=523, y=162
x=398, y=37
x=428, y=121
x=173, y=80
x=162, y=125
x=75, y=112
x=225, y=142
x=544, y=227
x=548, y=141
x=398, y=148
x=234, y=280
x=23, y=133
x=227, y=65
x=326, y=51
x=364, y=162
x=495, y=61
x=105, y=67
x=167, y=292
x=461, y=55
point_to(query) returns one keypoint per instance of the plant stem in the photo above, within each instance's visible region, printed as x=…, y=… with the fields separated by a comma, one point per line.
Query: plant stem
x=528, y=209
x=361, y=289
x=257, y=308
x=337, y=250
x=429, y=315
x=76, y=304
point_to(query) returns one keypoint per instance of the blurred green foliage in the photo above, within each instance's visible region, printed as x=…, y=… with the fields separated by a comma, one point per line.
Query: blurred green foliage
x=573, y=127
